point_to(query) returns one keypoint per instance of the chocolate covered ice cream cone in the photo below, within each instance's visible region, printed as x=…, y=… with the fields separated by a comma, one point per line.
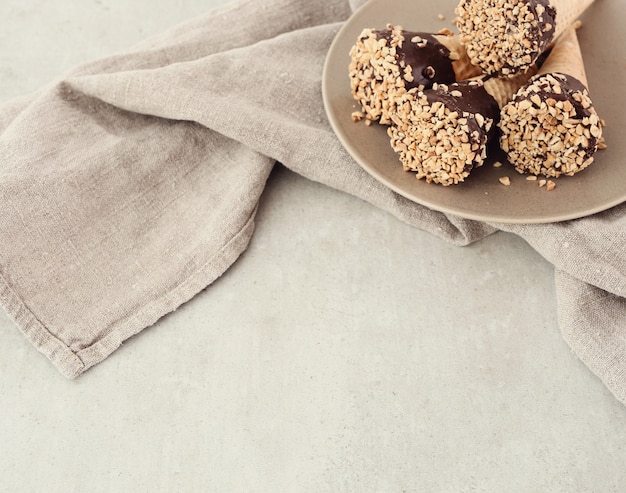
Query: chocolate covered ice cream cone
x=551, y=127
x=505, y=37
x=442, y=133
x=387, y=63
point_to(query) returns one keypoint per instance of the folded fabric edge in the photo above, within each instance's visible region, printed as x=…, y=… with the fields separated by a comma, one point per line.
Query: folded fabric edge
x=592, y=325
x=72, y=364
x=605, y=369
x=61, y=356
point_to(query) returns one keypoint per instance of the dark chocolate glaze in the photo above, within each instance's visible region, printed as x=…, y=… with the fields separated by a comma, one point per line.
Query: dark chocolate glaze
x=569, y=85
x=474, y=99
x=429, y=64
x=544, y=37
x=549, y=17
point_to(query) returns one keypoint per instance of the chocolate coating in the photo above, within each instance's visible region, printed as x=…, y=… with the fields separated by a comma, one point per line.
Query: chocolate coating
x=430, y=62
x=569, y=86
x=442, y=133
x=385, y=64
x=551, y=127
x=543, y=36
x=473, y=99
x=505, y=37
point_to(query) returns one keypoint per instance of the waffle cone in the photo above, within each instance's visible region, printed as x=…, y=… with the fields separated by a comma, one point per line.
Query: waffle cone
x=503, y=89
x=463, y=67
x=566, y=58
x=567, y=12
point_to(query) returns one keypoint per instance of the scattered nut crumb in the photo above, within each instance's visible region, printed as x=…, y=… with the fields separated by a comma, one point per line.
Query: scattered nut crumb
x=357, y=116
x=542, y=183
x=441, y=17
x=497, y=164
x=368, y=122
x=531, y=178
x=505, y=180
x=550, y=186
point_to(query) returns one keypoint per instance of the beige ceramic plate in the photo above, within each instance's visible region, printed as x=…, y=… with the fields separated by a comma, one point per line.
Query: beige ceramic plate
x=482, y=197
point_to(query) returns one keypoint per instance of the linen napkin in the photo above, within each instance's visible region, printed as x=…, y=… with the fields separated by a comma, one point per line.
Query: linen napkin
x=131, y=183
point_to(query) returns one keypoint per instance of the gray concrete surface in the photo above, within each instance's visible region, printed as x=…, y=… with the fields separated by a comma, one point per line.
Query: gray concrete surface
x=359, y=355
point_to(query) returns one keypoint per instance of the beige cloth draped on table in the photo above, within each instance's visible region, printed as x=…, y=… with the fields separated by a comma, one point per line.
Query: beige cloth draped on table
x=131, y=184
